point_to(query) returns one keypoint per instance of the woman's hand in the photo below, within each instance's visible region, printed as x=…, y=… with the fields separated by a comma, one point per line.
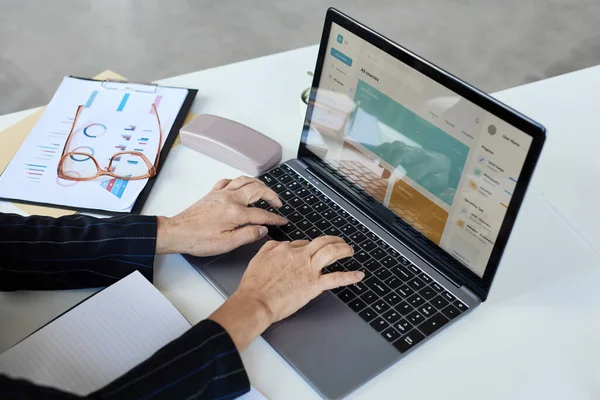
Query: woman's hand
x=221, y=221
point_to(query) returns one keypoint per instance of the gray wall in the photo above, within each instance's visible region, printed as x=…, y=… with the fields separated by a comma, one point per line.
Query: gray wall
x=493, y=44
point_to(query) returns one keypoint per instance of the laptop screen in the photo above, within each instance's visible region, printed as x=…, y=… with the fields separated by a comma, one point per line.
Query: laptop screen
x=437, y=160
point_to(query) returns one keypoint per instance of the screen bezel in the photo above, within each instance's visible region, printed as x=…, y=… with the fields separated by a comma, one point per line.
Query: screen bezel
x=431, y=252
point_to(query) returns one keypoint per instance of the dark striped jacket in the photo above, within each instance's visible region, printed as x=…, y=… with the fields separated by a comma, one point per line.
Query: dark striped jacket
x=41, y=253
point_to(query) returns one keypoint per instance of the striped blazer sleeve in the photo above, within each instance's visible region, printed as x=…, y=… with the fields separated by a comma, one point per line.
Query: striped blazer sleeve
x=77, y=251
x=202, y=364
x=38, y=253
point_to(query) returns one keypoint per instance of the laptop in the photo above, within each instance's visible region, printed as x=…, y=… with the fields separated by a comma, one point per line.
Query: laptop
x=421, y=173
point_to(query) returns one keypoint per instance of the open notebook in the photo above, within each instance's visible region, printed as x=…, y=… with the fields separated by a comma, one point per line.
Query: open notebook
x=99, y=340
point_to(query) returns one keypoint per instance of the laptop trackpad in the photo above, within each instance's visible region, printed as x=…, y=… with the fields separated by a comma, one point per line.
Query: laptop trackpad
x=331, y=346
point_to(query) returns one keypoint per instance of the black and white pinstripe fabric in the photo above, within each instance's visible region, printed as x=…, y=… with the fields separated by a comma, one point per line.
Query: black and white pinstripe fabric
x=41, y=253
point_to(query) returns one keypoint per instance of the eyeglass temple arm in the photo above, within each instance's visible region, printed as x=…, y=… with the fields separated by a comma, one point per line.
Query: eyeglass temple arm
x=160, y=134
x=71, y=131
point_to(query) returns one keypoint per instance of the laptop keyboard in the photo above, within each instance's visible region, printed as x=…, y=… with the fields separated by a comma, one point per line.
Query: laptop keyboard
x=397, y=298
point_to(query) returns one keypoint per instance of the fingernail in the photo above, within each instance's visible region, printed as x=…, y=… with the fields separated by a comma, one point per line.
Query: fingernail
x=360, y=274
x=263, y=230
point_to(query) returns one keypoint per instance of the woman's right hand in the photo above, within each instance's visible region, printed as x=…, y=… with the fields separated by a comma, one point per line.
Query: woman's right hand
x=285, y=276
x=282, y=278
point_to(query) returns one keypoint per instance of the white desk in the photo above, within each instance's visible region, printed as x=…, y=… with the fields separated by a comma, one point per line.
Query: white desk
x=535, y=337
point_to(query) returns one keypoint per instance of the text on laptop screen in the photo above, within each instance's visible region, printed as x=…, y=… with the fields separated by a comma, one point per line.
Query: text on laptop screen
x=443, y=164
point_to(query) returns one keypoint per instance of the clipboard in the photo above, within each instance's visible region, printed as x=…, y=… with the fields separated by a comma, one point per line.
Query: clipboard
x=17, y=133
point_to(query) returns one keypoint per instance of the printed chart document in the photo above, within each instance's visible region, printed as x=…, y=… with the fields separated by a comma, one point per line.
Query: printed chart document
x=100, y=339
x=116, y=117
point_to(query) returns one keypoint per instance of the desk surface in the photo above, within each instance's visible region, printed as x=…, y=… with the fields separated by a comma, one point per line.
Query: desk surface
x=535, y=337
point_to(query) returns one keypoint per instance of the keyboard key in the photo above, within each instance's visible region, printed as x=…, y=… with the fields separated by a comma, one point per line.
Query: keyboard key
x=383, y=244
x=390, y=334
x=369, y=245
x=451, y=312
x=383, y=274
x=358, y=288
x=287, y=228
x=286, y=195
x=439, y=302
x=367, y=314
x=335, y=207
x=428, y=293
x=460, y=306
x=295, y=217
x=294, y=186
x=402, y=326
x=304, y=209
x=361, y=256
x=286, y=210
x=358, y=237
x=304, y=225
x=416, y=283
x=278, y=187
x=372, y=265
x=302, y=193
x=268, y=180
x=262, y=204
x=313, y=216
x=404, y=308
x=346, y=296
x=357, y=304
x=357, y=249
x=393, y=282
x=405, y=291
x=414, y=318
x=313, y=233
x=433, y=324
x=344, y=214
x=438, y=288
x=372, y=236
x=388, y=262
x=352, y=264
x=404, y=261
x=320, y=206
x=295, y=202
x=297, y=235
x=348, y=229
x=323, y=225
x=363, y=228
x=393, y=252
x=449, y=296
x=380, y=306
x=329, y=215
x=312, y=199
x=336, y=267
x=414, y=269
x=393, y=299
x=415, y=300
x=369, y=297
x=402, y=273
x=377, y=286
x=379, y=324
x=277, y=172
x=377, y=253
x=285, y=179
x=332, y=231
x=408, y=341
x=339, y=222
x=425, y=278
x=391, y=316
x=427, y=310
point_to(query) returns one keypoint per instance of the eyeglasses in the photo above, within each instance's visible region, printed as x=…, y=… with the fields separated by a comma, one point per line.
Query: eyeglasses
x=81, y=165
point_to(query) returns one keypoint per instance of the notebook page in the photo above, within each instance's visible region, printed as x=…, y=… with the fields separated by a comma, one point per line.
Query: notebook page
x=99, y=340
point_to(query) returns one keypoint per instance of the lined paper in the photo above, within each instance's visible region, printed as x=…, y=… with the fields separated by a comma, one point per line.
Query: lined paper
x=99, y=340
